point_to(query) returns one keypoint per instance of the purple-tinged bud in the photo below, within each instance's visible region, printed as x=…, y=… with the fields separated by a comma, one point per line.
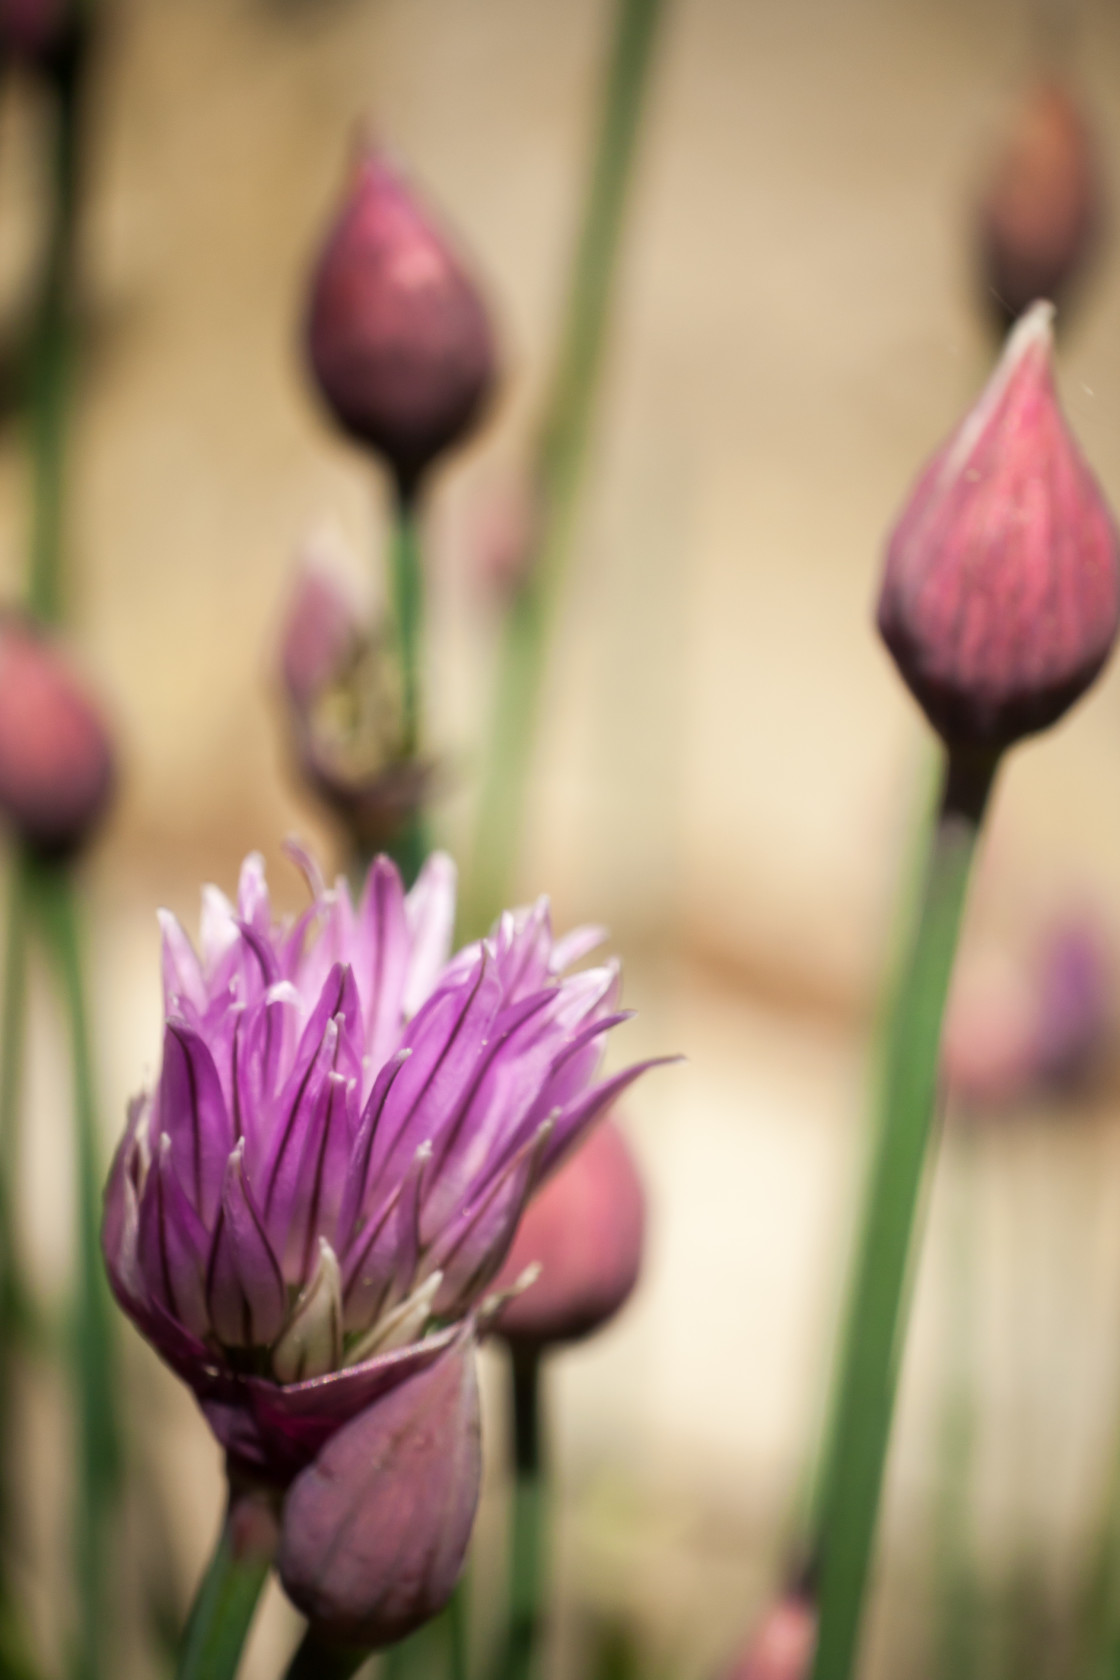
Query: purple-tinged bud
x=584, y=1231
x=34, y=30
x=1001, y=590
x=1074, y=1005
x=375, y=1530
x=56, y=763
x=987, y=1044
x=783, y=1643
x=322, y=635
x=1039, y=220
x=398, y=336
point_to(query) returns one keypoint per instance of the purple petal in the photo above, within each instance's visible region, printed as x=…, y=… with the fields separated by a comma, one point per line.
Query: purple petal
x=245, y=1291
x=470, y=1251
x=262, y=1052
x=253, y=904
x=173, y=1245
x=182, y=973
x=375, y=1530
x=382, y=944
x=430, y=908
x=191, y=1109
x=574, y=1121
x=574, y=947
x=314, y=1196
x=358, y=1187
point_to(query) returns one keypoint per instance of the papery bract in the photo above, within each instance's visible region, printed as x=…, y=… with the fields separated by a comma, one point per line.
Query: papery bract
x=1001, y=590
x=344, y=1133
x=584, y=1232
x=375, y=1530
x=397, y=333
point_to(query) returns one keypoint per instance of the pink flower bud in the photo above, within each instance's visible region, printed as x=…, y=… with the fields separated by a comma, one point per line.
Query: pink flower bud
x=1041, y=214
x=782, y=1646
x=584, y=1230
x=322, y=635
x=375, y=1529
x=1001, y=589
x=56, y=765
x=398, y=336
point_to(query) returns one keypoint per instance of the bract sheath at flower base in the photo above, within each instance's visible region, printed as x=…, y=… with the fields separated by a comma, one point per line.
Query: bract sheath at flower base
x=328, y=1174
x=56, y=761
x=583, y=1234
x=1001, y=591
x=398, y=337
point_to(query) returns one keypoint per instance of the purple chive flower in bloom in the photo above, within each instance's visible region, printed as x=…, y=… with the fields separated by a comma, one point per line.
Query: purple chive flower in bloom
x=309, y=1206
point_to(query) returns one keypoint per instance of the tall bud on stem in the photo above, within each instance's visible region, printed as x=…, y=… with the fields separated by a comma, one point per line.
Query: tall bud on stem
x=999, y=603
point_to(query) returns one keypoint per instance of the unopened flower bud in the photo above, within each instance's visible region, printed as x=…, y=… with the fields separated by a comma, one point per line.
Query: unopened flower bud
x=1001, y=589
x=1040, y=216
x=56, y=763
x=375, y=1530
x=782, y=1645
x=398, y=336
x=34, y=30
x=584, y=1231
x=321, y=636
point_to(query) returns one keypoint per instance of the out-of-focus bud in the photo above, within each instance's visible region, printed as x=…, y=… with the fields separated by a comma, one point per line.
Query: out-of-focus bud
x=1074, y=1004
x=1040, y=217
x=375, y=1530
x=34, y=30
x=782, y=1646
x=987, y=1048
x=398, y=336
x=1001, y=590
x=584, y=1230
x=56, y=763
x=343, y=693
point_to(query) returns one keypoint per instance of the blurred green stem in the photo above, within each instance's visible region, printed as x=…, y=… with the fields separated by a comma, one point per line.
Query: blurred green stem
x=13, y=1312
x=561, y=456
x=91, y=1338
x=864, y=1398
x=51, y=369
x=410, y=845
x=223, y=1609
x=527, y=1538
x=315, y=1660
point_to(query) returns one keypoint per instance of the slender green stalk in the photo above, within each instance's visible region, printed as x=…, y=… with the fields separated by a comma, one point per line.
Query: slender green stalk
x=957, y=1607
x=51, y=371
x=98, y=1452
x=410, y=845
x=864, y=1399
x=223, y=1609
x=527, y=1540
x=439, y=1648
x=561, y=456
x=315, y=1660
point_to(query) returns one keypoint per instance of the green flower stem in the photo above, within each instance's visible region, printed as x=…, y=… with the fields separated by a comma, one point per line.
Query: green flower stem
x=410, y=845
x=315, y=1660
x=527, y=1540
x=864, y=1398
x=53, y=343
x=227, y=1598
x=561, y=458
x=91, y=1340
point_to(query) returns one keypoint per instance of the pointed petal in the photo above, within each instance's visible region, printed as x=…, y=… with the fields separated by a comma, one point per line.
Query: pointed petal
x=252, y=894
x=311, y=1343
x=573, y=1122
x=173, y=1244
x=191, y=1109
x=358, y=1189
x=382, y=958
x=376, y=1528
x=245, y=1292
x=403, y=1325
x=430, y=908
x=182, y=972
x=471, y=1250
x=315, y=1194
x=574, y=946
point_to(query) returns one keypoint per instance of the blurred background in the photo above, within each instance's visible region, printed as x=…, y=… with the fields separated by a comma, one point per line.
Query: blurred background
x=729, y=770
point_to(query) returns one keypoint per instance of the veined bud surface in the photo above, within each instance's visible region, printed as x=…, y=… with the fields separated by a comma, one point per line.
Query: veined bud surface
x=1001, y=590
x=398, y=337
x=1041, y=214
x=584, y=1231
x=56, y=762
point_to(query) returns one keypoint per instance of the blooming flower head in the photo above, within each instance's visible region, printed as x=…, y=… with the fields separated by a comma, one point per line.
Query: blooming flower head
x=1001, y=591
x=328, y=1173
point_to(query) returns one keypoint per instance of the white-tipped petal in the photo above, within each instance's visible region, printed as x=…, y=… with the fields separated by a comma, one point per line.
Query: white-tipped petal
x=311, y=1343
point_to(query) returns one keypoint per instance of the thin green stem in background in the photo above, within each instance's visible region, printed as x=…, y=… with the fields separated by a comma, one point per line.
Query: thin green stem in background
x=410, y=845
x=98, y=1454
x=53, y=343
x=562, y=452
x=437, y=1649
x=223, y=1610
x=859, y=1431
x=524, y=1610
